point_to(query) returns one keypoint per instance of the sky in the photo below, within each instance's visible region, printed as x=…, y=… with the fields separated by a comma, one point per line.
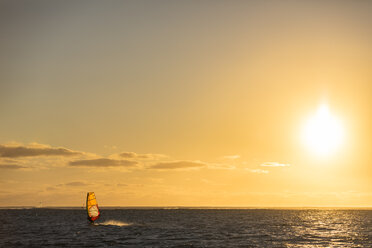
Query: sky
x=186, y=103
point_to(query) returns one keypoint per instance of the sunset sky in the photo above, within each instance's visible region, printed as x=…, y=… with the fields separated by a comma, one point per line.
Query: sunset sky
x=186, y=103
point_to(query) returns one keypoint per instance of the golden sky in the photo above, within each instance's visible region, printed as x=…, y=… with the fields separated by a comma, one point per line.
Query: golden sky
x=194, y=103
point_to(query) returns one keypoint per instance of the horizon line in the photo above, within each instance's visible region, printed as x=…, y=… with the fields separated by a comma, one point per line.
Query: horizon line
x=192, y=207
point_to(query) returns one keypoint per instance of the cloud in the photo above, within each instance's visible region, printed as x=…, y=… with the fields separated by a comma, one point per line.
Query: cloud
x=33, y=150
x=174, y=165
x=11, y=166
x=103, y=162
x=133, y=155
x=274, y=164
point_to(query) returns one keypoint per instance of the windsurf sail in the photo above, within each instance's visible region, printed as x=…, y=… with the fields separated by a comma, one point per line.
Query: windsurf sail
x=92, y=207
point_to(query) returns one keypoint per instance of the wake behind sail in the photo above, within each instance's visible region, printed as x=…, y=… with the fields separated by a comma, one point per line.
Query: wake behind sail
x=92, y=207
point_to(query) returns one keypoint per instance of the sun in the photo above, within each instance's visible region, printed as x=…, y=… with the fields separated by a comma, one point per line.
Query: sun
x=323, y=134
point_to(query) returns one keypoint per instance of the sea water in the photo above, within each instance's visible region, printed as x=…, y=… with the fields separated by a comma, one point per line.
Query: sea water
x=48, y=227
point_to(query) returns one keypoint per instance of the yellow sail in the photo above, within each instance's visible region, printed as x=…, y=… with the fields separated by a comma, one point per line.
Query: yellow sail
x=92, y=207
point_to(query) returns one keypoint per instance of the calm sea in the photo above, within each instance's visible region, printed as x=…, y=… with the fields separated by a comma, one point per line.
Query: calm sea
x=43, y=227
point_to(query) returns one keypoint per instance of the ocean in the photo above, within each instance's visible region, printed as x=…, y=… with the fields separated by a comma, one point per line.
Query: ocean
x=153, y=227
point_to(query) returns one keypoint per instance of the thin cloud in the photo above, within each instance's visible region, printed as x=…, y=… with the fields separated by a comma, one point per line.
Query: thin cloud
x=177, y=165
x=11, y=166
x=8, y=161
x=258, y=171
x=103, y=162
x=133, y=155
x=34, y=150
x=186, y=165
x=122, y=185
x=231, y=157
x=221, y=166
x=274, y=164
x=76, y=184
x=51, y=188
x=69, y=184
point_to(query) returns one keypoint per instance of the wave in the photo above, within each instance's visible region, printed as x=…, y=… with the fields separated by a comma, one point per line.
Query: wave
x=113, y=223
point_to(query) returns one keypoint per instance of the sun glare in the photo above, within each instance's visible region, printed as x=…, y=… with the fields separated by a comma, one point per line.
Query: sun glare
x=323, y=133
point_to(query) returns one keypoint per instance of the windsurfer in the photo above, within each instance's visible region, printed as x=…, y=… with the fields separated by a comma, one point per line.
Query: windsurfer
x=92, y=207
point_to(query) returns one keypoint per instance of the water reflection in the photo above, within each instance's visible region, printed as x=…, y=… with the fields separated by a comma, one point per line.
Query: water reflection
x=330, y=228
